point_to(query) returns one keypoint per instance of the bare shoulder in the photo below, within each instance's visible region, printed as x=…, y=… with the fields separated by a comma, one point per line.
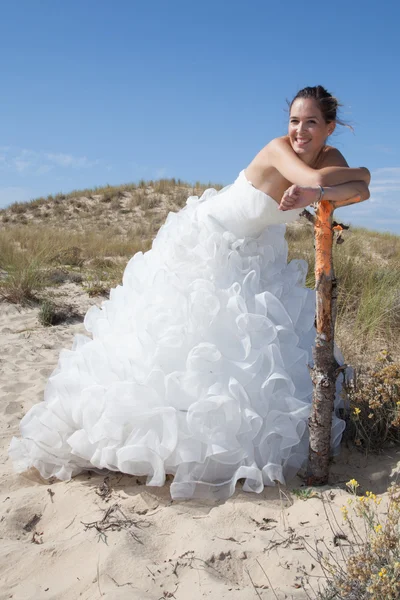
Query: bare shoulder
x=263, y=173
x=278, y=142
x=332, y=157
x=263, y=160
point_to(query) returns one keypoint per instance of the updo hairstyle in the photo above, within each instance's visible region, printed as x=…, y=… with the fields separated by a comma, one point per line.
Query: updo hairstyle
x=327, y=103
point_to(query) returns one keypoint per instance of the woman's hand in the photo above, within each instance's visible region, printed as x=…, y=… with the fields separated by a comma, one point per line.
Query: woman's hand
x=298, y=196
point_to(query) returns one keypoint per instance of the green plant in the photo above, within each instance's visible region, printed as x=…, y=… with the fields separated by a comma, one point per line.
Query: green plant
x=305, y=493
x=47, y=313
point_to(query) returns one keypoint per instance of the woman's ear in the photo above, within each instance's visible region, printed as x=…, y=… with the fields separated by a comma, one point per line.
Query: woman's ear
x=332, y=127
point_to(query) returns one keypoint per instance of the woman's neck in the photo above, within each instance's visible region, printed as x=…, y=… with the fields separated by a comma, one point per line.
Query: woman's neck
x=313, y=160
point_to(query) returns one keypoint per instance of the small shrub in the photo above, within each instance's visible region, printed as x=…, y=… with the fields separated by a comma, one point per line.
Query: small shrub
x=47, y=313
x=102, y=263
x=22, y=283
x=71, y=256
x=374, y=397
x=50, y=314
x=75, y=277
x=57, y=277
x=305, y=493
x=18, y=208
x=369, y=568
x=97, y=288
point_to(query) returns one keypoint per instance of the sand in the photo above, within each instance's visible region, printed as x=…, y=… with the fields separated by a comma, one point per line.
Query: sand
x=109, y=536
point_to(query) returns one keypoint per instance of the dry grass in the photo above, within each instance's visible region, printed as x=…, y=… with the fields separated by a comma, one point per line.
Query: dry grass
x=367, y=566
x=93, y=232
x=374, y=405
x=367, y=267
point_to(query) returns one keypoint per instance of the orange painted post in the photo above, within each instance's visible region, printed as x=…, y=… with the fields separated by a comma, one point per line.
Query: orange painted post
x=325, y=369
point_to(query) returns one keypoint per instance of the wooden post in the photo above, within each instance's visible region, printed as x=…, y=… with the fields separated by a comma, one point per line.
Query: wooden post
x=325, y=370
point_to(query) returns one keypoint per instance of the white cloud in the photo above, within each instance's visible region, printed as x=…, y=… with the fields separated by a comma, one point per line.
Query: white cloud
x=67, y=160
x=382, y=210
x=25, y=161
x=21, y=165
x=381, y=148
x=385, y=186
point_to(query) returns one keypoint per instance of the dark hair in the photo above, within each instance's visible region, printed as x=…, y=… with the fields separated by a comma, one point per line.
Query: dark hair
x=327, y=103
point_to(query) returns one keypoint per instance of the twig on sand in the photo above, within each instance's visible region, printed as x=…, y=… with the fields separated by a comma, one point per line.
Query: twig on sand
x=31, y=524
x=114, y=519
x=168, y=594
x=98, y=576
x=285, y=542
x=268, y=579
x=69, y=525
x=252, y=582
x=121, y=584
x=188, y=558
x=104, y=490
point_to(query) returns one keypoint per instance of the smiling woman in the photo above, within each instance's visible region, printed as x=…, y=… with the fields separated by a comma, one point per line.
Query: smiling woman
x=197, y=365
x=304, y=159
x=309, y=128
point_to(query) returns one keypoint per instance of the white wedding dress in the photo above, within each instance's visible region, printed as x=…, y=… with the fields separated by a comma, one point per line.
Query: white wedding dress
x=197, y=364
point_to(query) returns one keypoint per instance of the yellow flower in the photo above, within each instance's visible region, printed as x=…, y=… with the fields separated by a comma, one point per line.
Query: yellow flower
x=353, y=483
x=378, y=528
x=398, y=403
x=356, y=411
x=382, y=572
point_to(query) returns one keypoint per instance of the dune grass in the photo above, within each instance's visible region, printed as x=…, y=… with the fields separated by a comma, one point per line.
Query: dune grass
x=95, y=231
x=367, y=268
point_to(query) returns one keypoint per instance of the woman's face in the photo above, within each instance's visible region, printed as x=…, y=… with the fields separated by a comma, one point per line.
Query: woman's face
x=307, y=128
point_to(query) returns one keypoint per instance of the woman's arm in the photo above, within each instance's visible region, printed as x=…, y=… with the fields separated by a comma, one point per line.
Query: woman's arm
x=331, y=171
x=344, y=191
x=286, y=161
x=301, y=196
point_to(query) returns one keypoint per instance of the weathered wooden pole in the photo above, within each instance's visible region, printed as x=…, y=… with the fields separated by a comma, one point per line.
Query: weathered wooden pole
x=325, y=370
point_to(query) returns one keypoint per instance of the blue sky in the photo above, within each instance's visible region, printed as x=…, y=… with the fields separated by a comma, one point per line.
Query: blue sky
x=96, y=92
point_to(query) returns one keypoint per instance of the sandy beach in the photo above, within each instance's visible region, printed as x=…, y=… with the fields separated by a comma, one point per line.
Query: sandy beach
x=109, y=536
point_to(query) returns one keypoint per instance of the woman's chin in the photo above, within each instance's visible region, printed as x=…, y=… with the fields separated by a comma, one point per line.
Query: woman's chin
x=301, y=152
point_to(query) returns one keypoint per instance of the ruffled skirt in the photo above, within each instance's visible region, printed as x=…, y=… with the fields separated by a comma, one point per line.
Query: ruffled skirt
x=196, y=367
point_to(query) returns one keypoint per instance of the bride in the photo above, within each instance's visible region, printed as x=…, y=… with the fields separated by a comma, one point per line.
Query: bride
x=197, y=364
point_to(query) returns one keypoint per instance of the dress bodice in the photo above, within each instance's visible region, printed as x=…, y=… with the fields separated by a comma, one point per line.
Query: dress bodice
x=244, y=210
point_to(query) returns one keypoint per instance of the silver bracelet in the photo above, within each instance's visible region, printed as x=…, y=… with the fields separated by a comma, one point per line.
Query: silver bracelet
x=321, y=193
